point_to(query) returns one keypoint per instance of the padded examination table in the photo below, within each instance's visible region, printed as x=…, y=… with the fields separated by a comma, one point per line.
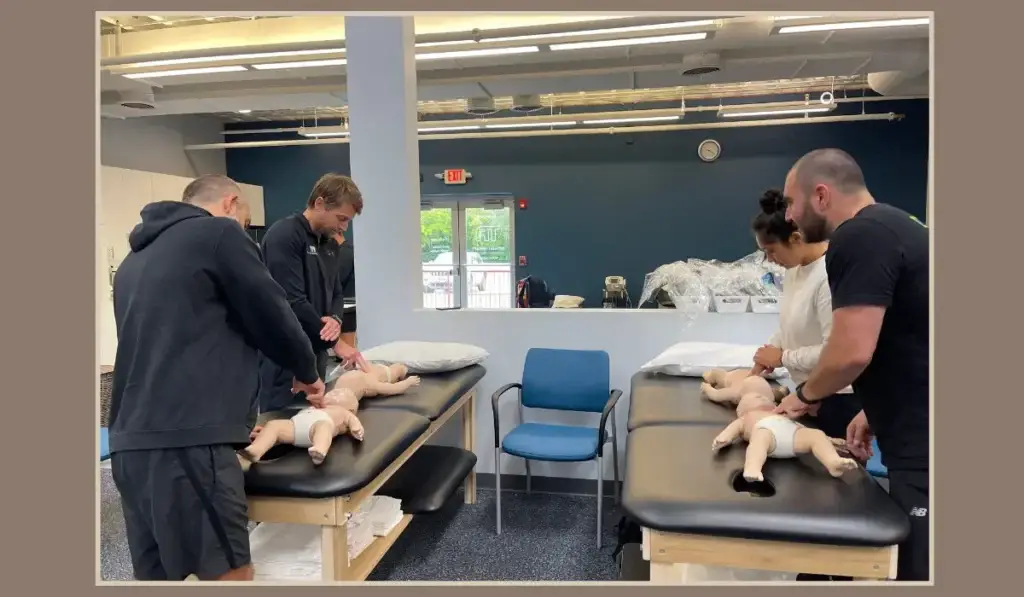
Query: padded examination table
x=350, y=465
x=657, y=399
x=436, y=393
x=674, y=483
x=684, y=497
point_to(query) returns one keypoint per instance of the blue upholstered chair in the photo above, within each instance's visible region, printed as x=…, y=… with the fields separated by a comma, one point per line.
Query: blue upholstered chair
x=104, y=444
x=566, y=380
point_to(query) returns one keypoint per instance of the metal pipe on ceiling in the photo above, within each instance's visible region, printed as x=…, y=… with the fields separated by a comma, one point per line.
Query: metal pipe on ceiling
x=652, y=113
x=888, y=116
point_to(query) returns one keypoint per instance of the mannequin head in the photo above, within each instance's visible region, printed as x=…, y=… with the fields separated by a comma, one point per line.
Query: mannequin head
x=779, y=238
x=333, y=202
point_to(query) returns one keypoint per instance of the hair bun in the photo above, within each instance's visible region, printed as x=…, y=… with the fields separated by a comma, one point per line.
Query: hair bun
x=772, y=202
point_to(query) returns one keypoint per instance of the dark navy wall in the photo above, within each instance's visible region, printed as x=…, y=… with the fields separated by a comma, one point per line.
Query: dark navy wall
x=624, y=204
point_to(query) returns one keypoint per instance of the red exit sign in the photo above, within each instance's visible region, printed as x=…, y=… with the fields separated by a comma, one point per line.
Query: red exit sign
x=455, y=176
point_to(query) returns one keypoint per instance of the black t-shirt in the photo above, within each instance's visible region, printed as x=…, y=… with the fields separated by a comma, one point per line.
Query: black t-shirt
x=339, y=260
x=880, y=258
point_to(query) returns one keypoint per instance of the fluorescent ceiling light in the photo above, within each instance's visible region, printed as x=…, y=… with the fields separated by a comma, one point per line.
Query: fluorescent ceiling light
x=733, y=112
x=245, y=111
x=252, y=56
x=446, y=129
x=157, y=19
x=324, y=131
x=525, y=125
x=186, y=71
x=477, y=53
x=302, y=64
x=854, y=25
x=630, y=41
x=628, y=120
x=587, y=32
x=794, y=17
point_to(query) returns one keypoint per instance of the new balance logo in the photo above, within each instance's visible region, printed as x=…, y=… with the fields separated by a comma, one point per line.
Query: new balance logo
x=920, y=512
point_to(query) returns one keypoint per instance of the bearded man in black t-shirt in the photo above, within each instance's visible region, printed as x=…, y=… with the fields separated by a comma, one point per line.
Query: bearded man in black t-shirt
x=879, y=271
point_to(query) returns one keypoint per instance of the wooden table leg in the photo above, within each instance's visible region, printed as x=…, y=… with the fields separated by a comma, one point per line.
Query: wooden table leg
x=469, y=443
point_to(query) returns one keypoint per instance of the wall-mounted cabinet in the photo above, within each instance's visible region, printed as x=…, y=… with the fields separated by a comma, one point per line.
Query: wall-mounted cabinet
x=123, y=194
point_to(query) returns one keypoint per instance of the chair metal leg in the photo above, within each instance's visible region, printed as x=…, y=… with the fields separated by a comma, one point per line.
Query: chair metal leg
x=615, y=457
x=600, y=498
x=497, y=488
x=528, y=476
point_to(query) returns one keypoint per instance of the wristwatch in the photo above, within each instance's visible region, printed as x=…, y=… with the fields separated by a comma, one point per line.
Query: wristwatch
x=800, y=395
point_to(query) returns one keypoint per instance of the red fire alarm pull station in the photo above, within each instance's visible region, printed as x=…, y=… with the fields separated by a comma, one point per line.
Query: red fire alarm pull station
x=522, y=203
x=455, y=176
x=522, y=260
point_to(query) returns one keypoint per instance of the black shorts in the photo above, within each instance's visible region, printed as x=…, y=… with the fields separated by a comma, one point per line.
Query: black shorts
x=185, y=511
x=348, y=322
x=910, y=489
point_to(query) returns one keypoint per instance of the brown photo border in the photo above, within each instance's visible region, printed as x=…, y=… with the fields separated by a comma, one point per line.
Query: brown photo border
x=51, y=524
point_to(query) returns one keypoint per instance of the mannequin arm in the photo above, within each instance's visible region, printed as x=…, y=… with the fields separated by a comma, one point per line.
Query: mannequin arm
x=494, y=408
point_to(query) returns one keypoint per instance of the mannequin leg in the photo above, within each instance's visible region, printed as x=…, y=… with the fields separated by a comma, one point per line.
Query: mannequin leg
x=760, y=444
x=824, y=449
x=721, y=396
x=354, y=425
x=322, y=436
x=274, y=432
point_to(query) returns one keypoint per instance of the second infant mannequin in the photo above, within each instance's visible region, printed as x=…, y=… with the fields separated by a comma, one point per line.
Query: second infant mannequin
x=728, y=387
x=315, y=428
x=776, y=436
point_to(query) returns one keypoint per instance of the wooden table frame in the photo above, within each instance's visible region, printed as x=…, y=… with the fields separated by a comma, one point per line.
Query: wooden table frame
x=330, y=513
x=671, y=553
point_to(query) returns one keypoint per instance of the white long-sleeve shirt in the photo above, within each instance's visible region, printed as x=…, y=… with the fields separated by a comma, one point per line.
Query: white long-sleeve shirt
x=805, y=319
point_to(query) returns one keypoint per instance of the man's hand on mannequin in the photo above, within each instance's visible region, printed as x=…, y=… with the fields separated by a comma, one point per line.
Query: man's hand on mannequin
x=350, y=356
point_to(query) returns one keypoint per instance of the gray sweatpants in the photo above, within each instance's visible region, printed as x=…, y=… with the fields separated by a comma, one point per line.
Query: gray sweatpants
x=185, y=511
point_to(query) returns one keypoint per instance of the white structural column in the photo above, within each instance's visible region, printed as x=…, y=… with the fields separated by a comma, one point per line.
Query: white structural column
x=385, y=164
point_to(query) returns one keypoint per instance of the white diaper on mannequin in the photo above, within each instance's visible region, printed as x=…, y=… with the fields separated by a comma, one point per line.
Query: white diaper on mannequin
x=304, y=421
x=784, y=430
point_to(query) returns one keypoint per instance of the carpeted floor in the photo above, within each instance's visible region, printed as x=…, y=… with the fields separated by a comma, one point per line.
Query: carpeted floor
x=545, y=537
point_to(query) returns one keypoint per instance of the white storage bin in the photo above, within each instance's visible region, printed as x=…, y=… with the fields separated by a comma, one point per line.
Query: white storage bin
x=732, y=304
x=764, y=304
x=693, y=304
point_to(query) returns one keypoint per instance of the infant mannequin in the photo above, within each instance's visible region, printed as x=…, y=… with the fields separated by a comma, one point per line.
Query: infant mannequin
x=315, y=428
x=728, y=387
x=771, y=435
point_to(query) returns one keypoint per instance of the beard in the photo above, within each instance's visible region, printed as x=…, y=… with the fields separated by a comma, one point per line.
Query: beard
x=814, y=228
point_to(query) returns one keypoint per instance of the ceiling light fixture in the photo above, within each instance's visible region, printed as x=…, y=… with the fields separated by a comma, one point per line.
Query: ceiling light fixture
x=245, y=111
x=854, y=25
x=477, y=53
x=584, y=33
x=186, y=71
x=253, y=56
x=323, y=131
x=794, y=17
x=301, y=64
x=449, y=129
x=526, y=125
x=629, y=120
x=157, y=19
x=630, y=41
x=740, y=111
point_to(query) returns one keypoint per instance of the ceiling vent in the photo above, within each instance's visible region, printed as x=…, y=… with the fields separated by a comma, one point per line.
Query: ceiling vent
x=480, y=106
x=138, y=99
x=526, y=103
x=703, y=63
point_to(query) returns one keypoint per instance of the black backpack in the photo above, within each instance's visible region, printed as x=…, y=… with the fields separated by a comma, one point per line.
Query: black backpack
x=629, y=531
x=533, y=293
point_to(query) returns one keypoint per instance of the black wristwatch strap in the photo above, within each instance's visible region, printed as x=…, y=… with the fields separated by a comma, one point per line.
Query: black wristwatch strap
x=800, y=395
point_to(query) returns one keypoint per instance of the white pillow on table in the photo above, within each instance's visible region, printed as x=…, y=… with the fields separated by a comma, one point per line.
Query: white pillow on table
x=427, y=357
x=693, y=359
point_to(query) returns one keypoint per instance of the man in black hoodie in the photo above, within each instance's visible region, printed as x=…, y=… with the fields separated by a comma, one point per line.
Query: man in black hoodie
x=194, y=306
x=339, y=261
x=292, y=248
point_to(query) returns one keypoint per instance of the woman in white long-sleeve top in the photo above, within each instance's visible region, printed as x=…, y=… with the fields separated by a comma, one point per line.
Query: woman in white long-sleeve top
x=805, y=310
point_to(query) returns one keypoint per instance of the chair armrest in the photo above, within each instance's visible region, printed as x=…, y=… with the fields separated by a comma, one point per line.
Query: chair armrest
x=609, y=408
x=494, y=408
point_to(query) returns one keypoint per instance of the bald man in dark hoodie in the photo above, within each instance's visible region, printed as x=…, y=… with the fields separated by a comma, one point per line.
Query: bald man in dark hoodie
x=194, y=307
